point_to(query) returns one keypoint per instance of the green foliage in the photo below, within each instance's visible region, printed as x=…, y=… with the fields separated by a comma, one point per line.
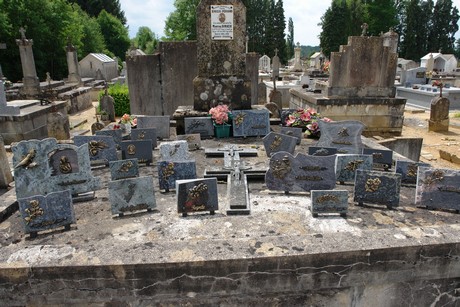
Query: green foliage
x=94, y=8
x=181, y=24
x=457, y=115
x=146, y=40
x=120, y=95
x=290, y=40
x=115, y=34
x=334, y=30
x=381, y=16
x=444, y=25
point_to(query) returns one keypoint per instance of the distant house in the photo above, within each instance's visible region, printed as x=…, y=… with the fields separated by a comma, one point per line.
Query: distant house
x=441, y=62
x=98, y=66
x=317, y=59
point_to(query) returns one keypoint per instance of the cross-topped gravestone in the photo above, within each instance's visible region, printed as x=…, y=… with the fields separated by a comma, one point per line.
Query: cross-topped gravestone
x=72, y=63
x=31, y=84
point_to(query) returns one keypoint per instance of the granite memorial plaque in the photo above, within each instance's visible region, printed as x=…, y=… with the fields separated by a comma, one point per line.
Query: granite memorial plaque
x=63, y=161
x=377, y=187
x=169, y=172
x=219, y=152
x=346, y=166
x=117, y=135
x=332, y=201
x=251, y=123
x=140, y=150
x=321, y=151
x=197, y=195
x=292, y=131
x=123, y=169
x=343, y=135
x=200, y=125
x=408, y=170
x=174, y=151
x=161, y=123
x=193, y=141
x=41, y=213
x=132, y=194
x=276, y=142
x=438, y=188
x=100, y=147
x=300, y=173
x=139, y=134
x=382, y=159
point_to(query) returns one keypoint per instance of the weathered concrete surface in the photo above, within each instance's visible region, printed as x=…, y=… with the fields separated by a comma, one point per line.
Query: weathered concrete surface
x=277, y=255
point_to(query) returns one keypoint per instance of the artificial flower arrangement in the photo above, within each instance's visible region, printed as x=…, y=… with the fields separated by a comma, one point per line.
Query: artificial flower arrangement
x=128, y=119
x=220, y=114
x=326, y=66
x=306, y=119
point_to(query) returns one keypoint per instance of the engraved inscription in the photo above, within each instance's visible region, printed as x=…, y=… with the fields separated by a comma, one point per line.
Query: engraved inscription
x=328, y=198
x=449, y=189
x=259, y=127
x=309, y=178
x=342, y=142
x=313, y=168
x=377, y=155
x=372, y=185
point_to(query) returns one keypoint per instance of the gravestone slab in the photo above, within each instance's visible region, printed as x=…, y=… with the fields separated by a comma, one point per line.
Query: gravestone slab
x=409, y=170
x=132, y=194
x=300, y=173
x=292, y=131
x=343, y=135
x=201, y=125
x=41, y=213
x=4, y=108
x=238, y=194
x=439, y=115
x=197, y=195
x=107, y=104
x=160, y=123
x=117, y=135
x=377, y=187
x=96, y=127
x=346, y=166
x=332, y=201
x=276, y=142
x=5, y=172
x=193, y=141
x=174, y=151
x=58, y=126
x=123, y=169
x=381, y=158
x=100, y=148
x=219, y=152
x=169, y=172
x=438, y=188
x=321, y=151
x=139, y=134
x=251, y=123
x=140, y=150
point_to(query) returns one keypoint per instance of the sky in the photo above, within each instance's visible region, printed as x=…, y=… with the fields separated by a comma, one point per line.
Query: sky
x=306, y=14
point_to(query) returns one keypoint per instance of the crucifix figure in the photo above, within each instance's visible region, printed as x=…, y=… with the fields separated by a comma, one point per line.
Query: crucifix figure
x=23, y=33
x=365, y=27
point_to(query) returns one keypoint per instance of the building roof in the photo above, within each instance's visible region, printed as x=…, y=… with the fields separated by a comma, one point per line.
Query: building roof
x=315, y=55
x=102, y=57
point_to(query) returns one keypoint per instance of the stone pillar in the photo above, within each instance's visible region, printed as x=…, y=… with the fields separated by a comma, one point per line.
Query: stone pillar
x=297, y=60
x=4, y=108
x=252, y=70
x=72, y=64
x=31, y=84
x=439, y=116
x=5, y=173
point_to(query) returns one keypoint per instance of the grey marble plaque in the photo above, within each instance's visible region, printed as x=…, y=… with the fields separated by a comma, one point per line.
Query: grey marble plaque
x=174, y=151
x=343, y=135
x=200, y=125
x=161, y=123
x=292, y=131
x=381, y=158
x=140, y=150
x=100, y=147
x=193, y=141
x=332, y=201
x=139, y=134
x=251, y=123
x=276, y=142
x=47, y=212
x=321, y=151
x=346, y=166
x=377, y=188
x=38, y=169
x=408, y=170
x=117, y=135
x=197, y=195
x=132, y=194
x=122, y=169
x=300, y=173
x=169, y=172
x=438, y=188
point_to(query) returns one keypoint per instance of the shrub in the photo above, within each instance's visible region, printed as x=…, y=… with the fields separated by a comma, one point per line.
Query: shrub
x=120, y=94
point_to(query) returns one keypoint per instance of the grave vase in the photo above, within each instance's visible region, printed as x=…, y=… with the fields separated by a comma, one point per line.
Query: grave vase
x=222, y=131
x=127, y=127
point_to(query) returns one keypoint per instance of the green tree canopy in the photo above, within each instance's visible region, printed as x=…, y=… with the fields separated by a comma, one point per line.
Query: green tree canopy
x=444, y=25
x=334, y=27
x=146, y=40
x=181, y=24
x=95, y=7
x=115, y=34
x=290, y=40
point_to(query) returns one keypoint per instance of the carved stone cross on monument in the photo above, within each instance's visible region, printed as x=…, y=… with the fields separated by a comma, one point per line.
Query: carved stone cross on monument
x=365, y=27
x=237, y=185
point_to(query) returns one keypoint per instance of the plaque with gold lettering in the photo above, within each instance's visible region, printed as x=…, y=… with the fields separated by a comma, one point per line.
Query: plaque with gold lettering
x=197, y=195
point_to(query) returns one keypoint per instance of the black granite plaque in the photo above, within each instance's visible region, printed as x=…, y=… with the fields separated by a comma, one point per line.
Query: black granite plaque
x=117, y=135
x=193, y=141
x=409, y=170
x=100, y=147
x=292, y=131
x=197, y=195
x=332, y=201
x=140, y=150
x=251, y=123
x=346, y=166
x=123, y=169
x=343, y=135
x=382, y=159
x=160, y=123
x=377, y=188
x=169, y=172
x=140, y=134
x=276, y=142
x=200, y=125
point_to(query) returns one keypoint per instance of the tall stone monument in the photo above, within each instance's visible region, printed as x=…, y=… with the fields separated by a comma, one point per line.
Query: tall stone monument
x=297, y=61
x=221, y=42
x=72, y=64
x=31, y=84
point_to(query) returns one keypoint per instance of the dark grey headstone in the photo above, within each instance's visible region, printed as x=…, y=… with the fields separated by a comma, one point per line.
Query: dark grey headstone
x=193, y=140
x=332, y=201
x=161, y=123
x=201, y=125
x=100, y=147
x=321, y=151
x=276, y=142
x=251, y=123
x=197, y=195
x=169, y=172
x=123, y=169
x=300, y=173
x=174, y=151
x=140, y=134
x=47, y=212
x=438, y=188
x=409, y=170
x=117, y=134
x=132, y=194
x=377, y=188
x=107, y=104
x=343, y=135
x=346, y=166
x=381, y=158
x=292, y=131
x=140, y=150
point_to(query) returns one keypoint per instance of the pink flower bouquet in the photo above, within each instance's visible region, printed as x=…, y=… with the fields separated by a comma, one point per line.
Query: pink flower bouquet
x=306, y=119
x=219, y=114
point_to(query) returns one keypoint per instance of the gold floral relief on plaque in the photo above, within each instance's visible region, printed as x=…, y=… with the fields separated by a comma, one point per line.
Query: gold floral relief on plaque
x=373, y=185
x=96, y=146
x=64, y=165
x=33, y=211
x=280, y=168
x=276, y=142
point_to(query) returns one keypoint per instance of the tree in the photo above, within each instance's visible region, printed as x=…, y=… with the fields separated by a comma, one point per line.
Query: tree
x=256, y=21
x=115, y=34
x=181, y=24
x=382, y=16
x=146, y=40
x=290, y=39
x=357, y=17
x=95, y=7
x=279, y=26
x=444, y=26
x=334, y=27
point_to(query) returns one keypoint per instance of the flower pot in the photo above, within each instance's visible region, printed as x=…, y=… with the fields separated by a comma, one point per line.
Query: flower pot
x=222, y=131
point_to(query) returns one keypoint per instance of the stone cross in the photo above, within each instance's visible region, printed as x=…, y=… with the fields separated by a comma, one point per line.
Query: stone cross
x=365, y=27
x=23, y=33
